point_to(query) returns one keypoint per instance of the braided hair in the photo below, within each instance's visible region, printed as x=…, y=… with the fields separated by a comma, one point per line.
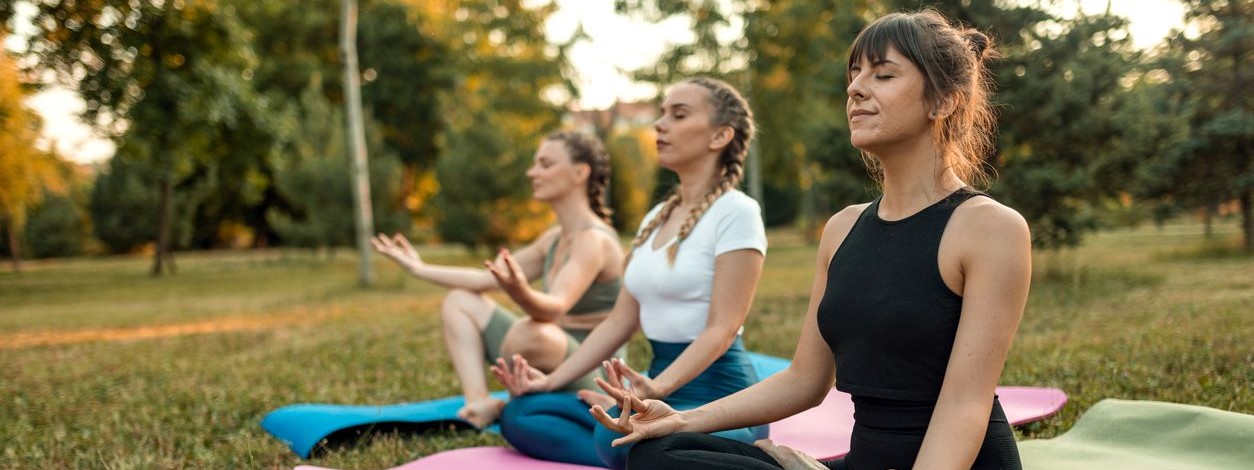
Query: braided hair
x=586, y=149
x=730, y=109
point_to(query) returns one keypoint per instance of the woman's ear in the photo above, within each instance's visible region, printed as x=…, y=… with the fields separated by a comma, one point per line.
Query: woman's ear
x=722, y=138
x=944, y=107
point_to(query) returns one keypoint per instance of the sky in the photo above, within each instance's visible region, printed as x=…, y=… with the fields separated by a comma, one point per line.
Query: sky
x=618, y=44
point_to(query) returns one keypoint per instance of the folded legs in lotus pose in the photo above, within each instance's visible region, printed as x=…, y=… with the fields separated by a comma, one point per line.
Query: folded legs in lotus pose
x=689, y=282
x=579, y=263
x=916, y=297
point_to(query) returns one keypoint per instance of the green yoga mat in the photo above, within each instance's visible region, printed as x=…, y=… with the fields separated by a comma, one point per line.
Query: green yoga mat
x=1118, y=434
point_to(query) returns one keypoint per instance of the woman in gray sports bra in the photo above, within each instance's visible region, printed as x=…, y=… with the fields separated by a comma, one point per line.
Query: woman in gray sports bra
x=579, y=263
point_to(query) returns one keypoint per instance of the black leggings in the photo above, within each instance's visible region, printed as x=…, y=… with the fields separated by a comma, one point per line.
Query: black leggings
x=870, y=448
x=690, y=450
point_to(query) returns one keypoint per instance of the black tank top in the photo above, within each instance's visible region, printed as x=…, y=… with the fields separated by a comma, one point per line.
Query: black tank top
x=887, y=315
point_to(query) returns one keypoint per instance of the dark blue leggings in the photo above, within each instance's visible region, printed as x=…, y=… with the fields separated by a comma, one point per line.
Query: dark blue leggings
x=558, y=426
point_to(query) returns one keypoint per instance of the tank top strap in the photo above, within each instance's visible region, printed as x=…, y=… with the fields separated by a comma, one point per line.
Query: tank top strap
x=549, y=259
x=548, y=262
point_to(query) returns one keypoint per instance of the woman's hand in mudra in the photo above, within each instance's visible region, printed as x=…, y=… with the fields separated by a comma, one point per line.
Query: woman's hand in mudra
x=507, y=273
x=520, y=378
x=653, y=418
x=637, y=384
x=398, y=249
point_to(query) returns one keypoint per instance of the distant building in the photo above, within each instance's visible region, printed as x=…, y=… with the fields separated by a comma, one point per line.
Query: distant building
x=620, y=117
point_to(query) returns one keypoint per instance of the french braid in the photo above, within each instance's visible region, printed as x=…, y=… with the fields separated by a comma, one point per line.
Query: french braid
x=730, y=109
x=589, y=150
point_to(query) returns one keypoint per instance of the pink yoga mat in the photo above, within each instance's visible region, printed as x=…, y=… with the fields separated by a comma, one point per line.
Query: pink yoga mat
x=472, y=458
x=822, y=432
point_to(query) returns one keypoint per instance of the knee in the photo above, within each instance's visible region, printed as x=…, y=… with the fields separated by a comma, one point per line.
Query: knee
x=612, y=457
x=461, y=301
x=543, y=344
x=654, y=453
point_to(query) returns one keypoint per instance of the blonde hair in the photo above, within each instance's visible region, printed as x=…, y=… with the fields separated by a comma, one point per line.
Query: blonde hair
x=730, y=109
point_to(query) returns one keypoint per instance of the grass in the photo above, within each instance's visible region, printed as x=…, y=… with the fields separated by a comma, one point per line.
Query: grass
x=104, y=367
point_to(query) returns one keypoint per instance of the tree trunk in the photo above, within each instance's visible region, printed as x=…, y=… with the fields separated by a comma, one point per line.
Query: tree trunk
x=1207, y=221
x=1247, y=219
x=15, y=248
x=362, y=211
x=162, y=255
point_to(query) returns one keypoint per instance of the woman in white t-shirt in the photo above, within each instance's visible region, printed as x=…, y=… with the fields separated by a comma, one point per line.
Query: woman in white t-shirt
x=689, y=282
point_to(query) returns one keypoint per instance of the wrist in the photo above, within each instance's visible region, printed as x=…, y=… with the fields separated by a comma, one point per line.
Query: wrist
x=547, y=385
x=662, y=388
x=415, y=269
x=686, y=420
x=522, y=295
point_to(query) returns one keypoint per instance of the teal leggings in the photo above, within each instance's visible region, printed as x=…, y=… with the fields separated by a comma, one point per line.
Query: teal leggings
x=558, y=426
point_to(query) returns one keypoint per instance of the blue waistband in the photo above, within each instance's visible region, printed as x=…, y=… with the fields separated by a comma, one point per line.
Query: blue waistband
x=730, y=373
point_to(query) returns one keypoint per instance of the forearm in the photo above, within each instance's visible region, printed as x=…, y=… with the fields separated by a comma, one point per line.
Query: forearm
x=599, y=346
x=472, y=279
x=777, y=397
x=538, y=305
x=955, y=434
x=696, y=358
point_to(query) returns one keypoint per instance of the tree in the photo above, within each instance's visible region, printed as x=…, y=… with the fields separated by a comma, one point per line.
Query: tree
x=506, y=97
x=26, y=173
x=631, y=151
x=1206, y=79
x=404, y=67
x=166, y=78
x=56, y=227
x=311, y=175
x=1060, y=95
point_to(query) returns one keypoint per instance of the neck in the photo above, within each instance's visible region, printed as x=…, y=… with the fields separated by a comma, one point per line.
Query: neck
x=915, y=176
x=574, y=213
x=697, y=179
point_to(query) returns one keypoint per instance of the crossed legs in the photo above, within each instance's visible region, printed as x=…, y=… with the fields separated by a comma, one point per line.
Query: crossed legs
x=465, y=315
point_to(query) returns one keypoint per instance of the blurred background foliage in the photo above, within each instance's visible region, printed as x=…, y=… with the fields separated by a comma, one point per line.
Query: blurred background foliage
x=226, y=115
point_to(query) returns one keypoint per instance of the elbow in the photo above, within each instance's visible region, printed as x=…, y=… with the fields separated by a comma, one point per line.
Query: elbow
x=546, y=316
x=726, y=334
x=815, y=390
x=546, y=313
x=817, y=396
x=481, y=288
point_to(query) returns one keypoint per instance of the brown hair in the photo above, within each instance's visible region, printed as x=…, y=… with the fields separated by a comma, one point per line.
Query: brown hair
x=730, y=109
x=589, y=150
x=952, y=61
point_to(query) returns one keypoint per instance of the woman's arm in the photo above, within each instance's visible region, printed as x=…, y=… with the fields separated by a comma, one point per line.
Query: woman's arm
x=589, y=253
x=398, y=249
x=801, y=386
x=995, y=253
x=600, y=345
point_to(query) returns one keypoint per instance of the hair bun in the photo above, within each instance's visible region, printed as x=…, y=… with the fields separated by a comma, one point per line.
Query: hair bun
x=978, y=42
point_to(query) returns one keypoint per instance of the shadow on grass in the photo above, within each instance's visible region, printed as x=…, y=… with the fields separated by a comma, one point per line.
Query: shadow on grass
x=364, y=435
x=1204, y=252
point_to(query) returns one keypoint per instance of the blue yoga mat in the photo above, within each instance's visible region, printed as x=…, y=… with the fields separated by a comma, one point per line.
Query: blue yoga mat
x=302, y=427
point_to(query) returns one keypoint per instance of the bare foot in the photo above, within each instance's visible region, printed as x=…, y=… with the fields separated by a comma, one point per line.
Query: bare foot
x=481, y=413
x=595, y=398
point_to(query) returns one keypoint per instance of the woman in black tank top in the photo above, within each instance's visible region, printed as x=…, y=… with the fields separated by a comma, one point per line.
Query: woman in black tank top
x=917, y=295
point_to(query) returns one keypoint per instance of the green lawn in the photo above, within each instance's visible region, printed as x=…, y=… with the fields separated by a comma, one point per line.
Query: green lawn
x=105, y=367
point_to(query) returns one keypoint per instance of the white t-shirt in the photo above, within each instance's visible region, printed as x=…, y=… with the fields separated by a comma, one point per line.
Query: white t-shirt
x=675, y=300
